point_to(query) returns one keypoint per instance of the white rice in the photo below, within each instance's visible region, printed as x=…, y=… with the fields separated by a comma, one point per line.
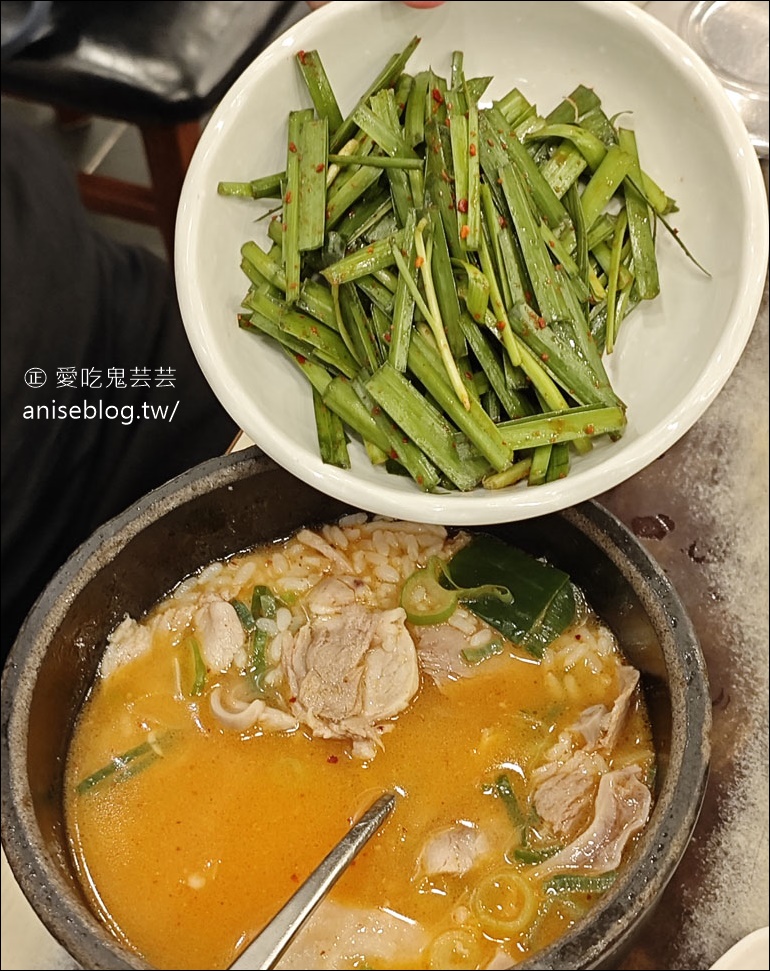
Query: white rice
x=354, y=519
x=462, y=621
x=481, y=638
x=280, y=564
x=282, y=618
x=387, y=574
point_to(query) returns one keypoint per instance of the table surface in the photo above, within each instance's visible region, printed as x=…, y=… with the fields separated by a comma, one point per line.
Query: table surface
x=701, y=510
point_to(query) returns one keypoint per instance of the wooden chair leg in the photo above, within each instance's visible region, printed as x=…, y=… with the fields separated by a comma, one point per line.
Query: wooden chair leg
x=114, y=197
x=169, y=150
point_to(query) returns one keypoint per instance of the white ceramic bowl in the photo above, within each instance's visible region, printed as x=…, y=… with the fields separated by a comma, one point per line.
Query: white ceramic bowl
x=673, y=355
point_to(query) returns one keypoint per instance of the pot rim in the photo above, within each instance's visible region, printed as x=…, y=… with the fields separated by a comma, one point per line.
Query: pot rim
x=658, y=853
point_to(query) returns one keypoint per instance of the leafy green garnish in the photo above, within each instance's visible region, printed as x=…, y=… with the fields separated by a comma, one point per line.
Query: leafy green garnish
x=543, y=603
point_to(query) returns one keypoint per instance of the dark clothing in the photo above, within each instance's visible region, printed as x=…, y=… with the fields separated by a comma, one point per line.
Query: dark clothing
x=90, y=314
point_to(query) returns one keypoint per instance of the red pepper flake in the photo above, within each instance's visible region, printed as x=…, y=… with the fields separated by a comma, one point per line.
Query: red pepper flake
x=419, y=261
x=541, y=323
x=559, y=266
x=438, y=97
x=301, y=56
x=292, y=147
x=404, y=439
x=393, y=453
x=320, y=167
x=292, y=699
x=300, y=359
x=287, y=197
x=314, y=330
x=376, y=410
x=503, y=221
x=528, y=296
x=500, y=325
x=333, y=760
x=448, y=122
x=578, y=637
x=387, y=338
x=468, y=375
x=472, y=150
x=294, y=878
x=462, y=205
x=284, y=227
x=420, y=480
x=543, y=357
x=369, y=249
x=589, y=429
x=465, y=231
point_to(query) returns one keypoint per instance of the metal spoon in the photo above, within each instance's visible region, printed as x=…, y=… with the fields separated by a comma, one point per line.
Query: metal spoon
x=267, y=947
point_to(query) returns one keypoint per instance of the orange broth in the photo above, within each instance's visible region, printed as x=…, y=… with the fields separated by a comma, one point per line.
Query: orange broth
x=187, y=859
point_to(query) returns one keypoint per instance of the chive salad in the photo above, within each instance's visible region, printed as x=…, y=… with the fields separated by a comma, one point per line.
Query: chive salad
x=449, y=277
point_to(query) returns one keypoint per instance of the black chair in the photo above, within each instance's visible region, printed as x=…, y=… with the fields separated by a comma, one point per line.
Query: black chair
x=160, y=66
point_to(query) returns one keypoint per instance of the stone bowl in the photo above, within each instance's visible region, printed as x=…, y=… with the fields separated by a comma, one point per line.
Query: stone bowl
x=235, y=502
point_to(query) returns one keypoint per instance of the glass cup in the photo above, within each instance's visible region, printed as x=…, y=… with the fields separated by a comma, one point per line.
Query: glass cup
x=731, y=37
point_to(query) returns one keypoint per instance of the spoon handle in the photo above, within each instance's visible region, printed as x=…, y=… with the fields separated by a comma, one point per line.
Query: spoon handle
x=267, y=947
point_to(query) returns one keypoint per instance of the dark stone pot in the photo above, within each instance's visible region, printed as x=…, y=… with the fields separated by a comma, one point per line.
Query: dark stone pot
x=232, y=503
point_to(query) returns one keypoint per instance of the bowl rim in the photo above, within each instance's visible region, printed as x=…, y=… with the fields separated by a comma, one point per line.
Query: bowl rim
x=485, y=507
x=672, y=819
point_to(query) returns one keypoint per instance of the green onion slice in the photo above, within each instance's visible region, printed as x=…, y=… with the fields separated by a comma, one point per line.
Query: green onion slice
x=427, y=601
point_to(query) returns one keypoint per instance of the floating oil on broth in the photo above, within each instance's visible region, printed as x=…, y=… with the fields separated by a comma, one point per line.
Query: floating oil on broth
x=189, y=847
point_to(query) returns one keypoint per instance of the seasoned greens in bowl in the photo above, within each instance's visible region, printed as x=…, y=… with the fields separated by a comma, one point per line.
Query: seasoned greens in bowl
x=448, y=276
x=671, y=356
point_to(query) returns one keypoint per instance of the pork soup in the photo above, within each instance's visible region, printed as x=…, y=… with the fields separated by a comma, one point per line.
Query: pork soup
x=236, y=732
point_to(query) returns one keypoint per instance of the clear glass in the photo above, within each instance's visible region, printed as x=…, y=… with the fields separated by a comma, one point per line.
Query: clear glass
x=731, y=36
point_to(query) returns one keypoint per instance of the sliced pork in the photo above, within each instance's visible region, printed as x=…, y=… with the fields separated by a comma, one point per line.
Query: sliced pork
x=453, y=850
x=439, y=648
x=337, y=936
x=621, y=810
x=220, y=636
x=567, y=782
x=611, y=728
x=128, y=641
x=349, y=671
x=565, y=796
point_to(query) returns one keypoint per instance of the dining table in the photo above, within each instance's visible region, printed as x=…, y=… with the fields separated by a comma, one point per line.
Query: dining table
x=701, y=511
